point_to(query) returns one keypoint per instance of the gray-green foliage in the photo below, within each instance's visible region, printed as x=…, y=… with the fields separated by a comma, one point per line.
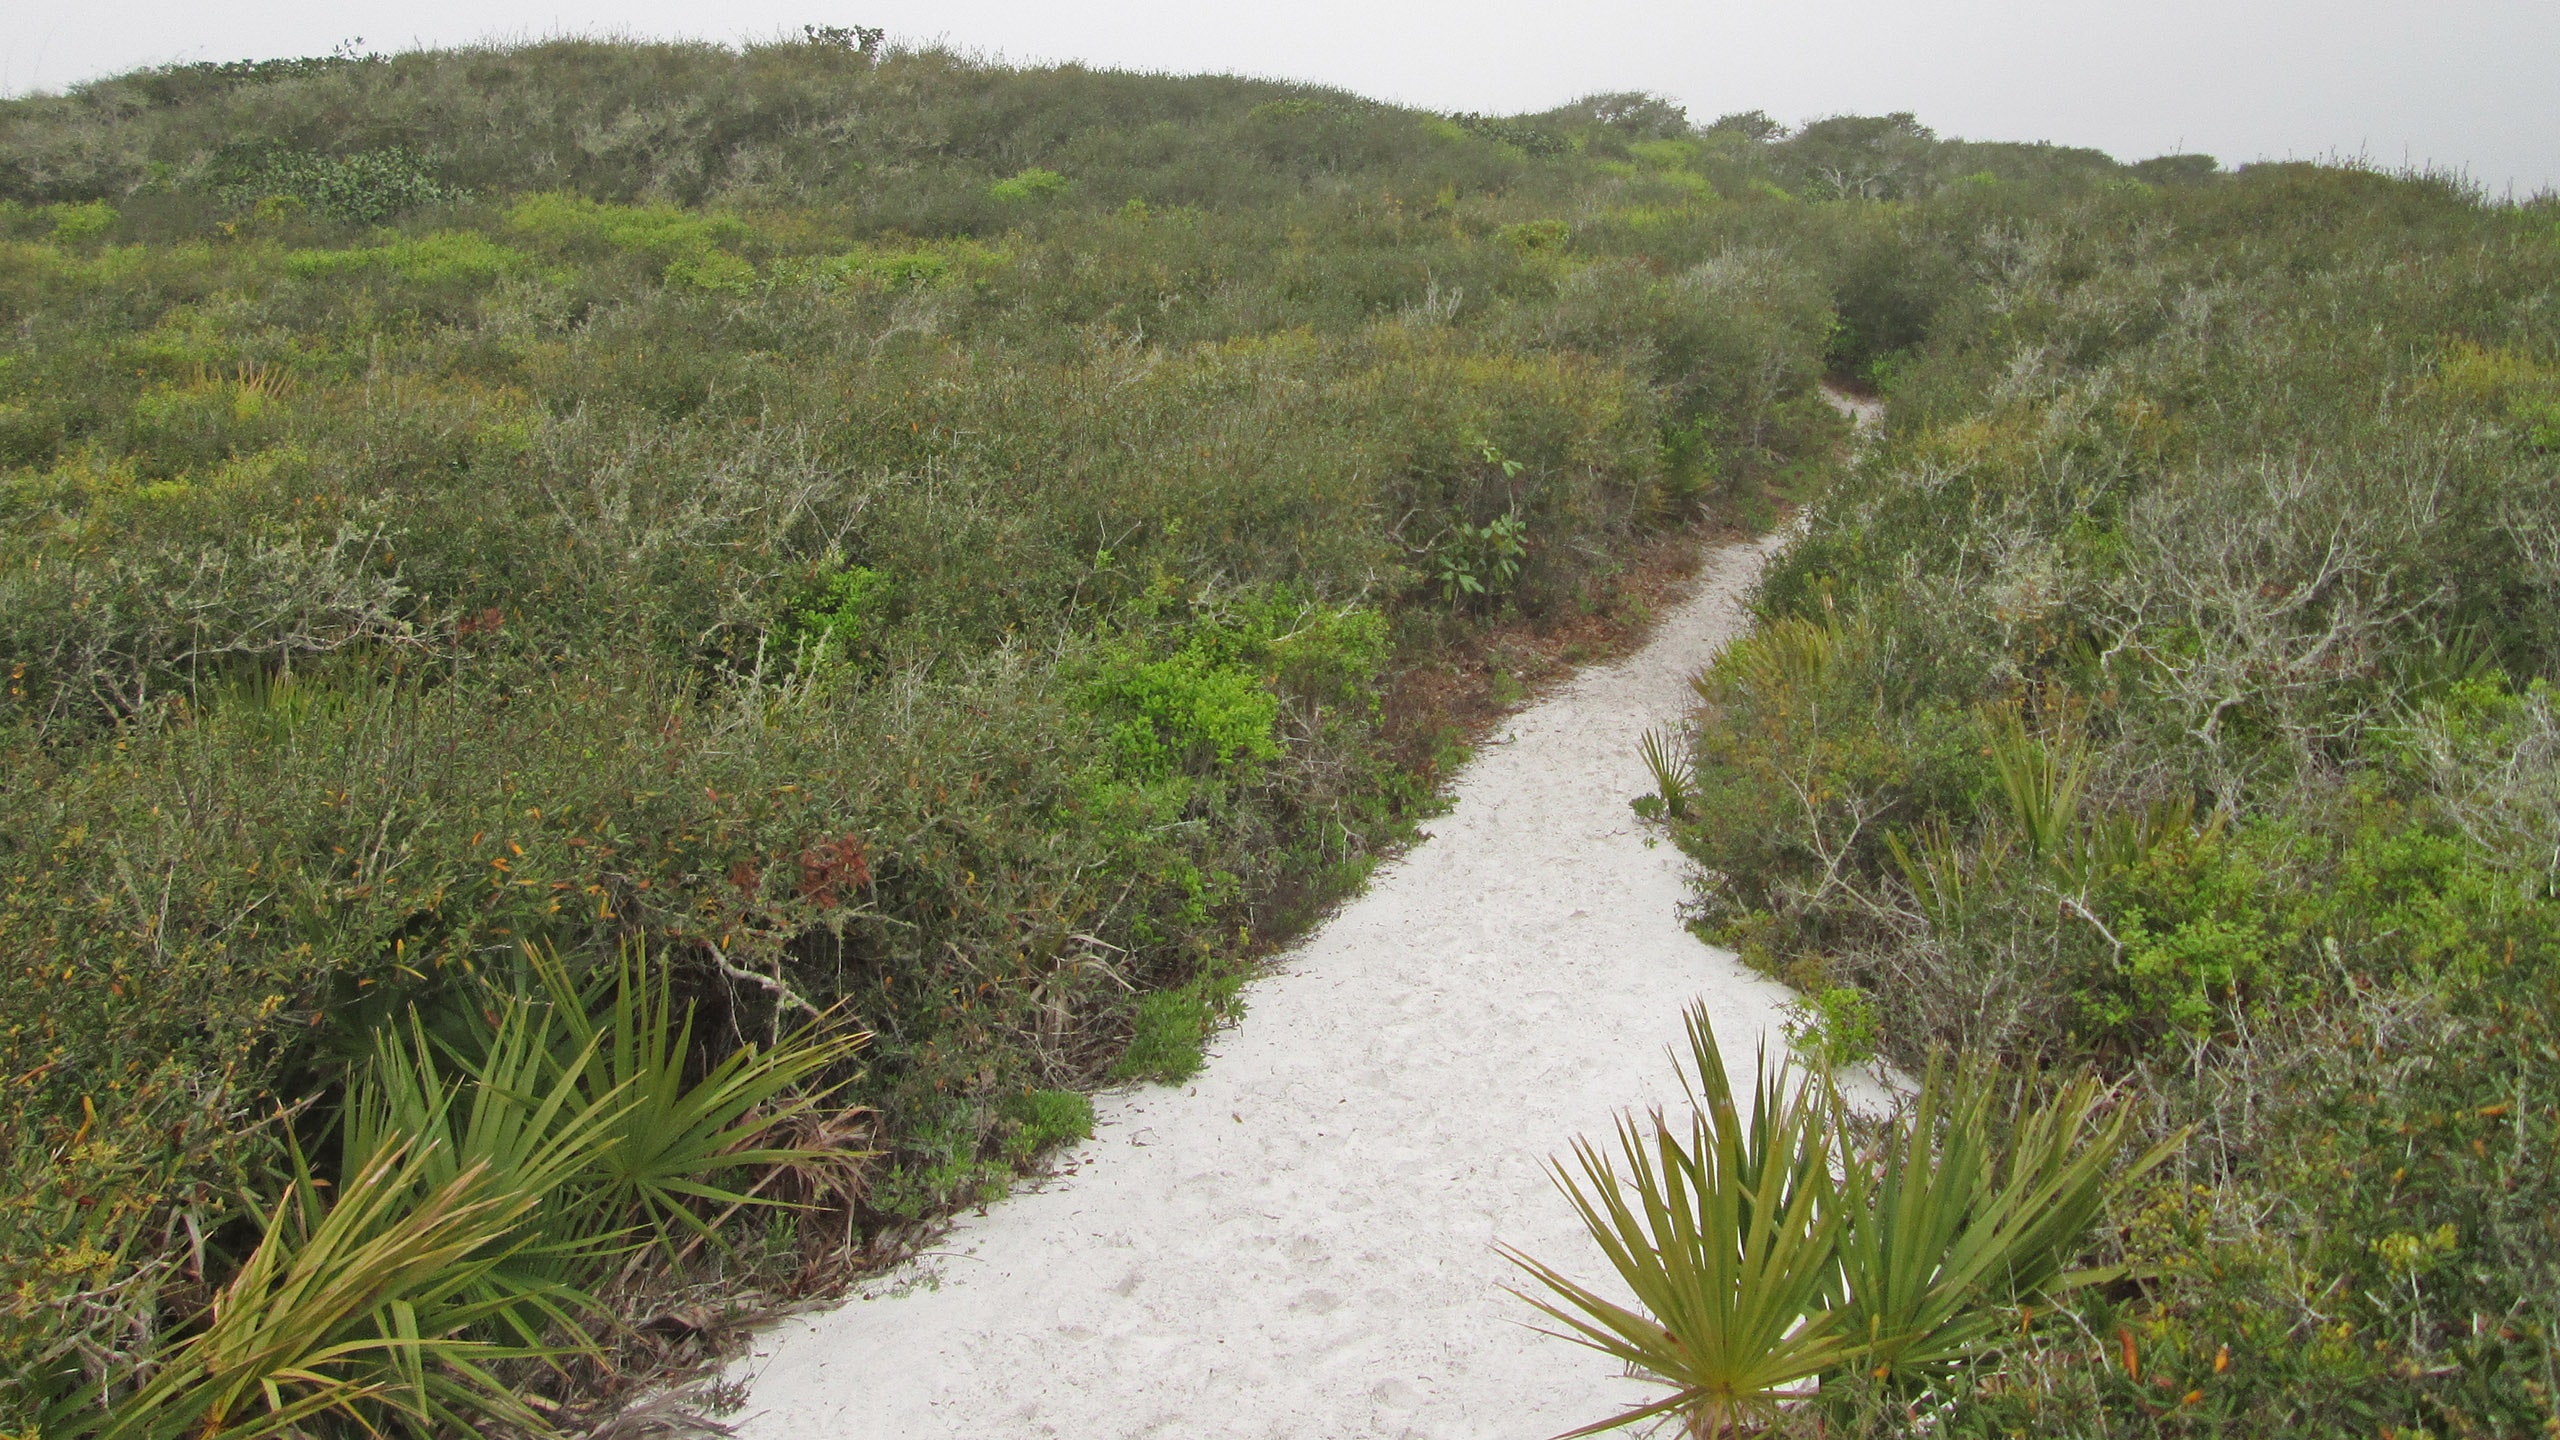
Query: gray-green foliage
x=361, y=189
x=2166, y=691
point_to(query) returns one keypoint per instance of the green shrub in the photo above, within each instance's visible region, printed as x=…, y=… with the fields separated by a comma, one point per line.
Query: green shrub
x=1189, y=709
x=690, y=249
x=1528, y=139
x=947, y=262
x=2193, y=919
x=1045, y=1119
x=75, y=223
x=846, y=619
x=1033, y=183
x=1531, y=235
x=445, y=257
x=1478, y=565
x=360, y=189
x=662, y=232
x=1834, y=1028
x=1169, y=1027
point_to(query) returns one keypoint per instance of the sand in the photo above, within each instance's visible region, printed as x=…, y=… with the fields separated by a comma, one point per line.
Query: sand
x=1300, y=1242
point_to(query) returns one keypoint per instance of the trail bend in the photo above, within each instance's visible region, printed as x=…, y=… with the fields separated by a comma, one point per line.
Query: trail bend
x=1298, y=1244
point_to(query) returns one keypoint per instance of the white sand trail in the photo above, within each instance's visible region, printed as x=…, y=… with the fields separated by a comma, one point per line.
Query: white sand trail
x=1299, y=1243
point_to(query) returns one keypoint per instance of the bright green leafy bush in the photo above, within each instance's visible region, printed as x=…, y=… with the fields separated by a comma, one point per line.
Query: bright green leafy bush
x=1189, y=708
x=1170, y=1027
x=1834, y=1028
x=444, y=257
x=1043, y=1119
x=75, y=223
x=848, y=616
x=663, y=232
x=1030, y=184
x=690, y=249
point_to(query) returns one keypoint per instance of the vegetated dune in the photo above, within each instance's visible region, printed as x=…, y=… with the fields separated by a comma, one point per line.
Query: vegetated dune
x=503, y=546
x=976, y=554
x=1299, y=1241
x=2169, y=692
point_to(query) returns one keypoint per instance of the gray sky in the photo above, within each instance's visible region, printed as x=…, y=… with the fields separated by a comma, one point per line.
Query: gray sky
x=2459, y=83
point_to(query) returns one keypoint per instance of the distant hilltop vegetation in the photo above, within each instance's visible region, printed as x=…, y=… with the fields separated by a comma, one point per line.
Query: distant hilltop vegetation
x=915, y=140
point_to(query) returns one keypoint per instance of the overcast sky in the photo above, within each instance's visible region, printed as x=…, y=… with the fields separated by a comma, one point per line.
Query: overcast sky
x=2458, y=83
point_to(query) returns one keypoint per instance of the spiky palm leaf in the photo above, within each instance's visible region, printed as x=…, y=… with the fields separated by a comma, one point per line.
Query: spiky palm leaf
x=349, y=1310
x=673, y=1139
x=1673, y=776
x=1975, y=1199
x=520, y=1111
x=1726, y=1239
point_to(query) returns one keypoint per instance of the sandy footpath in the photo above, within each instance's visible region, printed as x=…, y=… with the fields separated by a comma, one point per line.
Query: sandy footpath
x=1298, y=1244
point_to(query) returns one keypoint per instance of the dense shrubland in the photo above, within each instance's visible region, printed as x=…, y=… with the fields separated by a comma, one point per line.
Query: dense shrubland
x=599, y=635
x=602, y=636
x=2168, y=689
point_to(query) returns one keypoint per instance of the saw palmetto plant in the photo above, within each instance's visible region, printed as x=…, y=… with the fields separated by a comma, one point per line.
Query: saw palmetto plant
x=1773, y=1249
x=1673, y=777
x=676, y=1136
x=1972, y=1200
x=1725, y=1228
x=485, y=1187
x=361, y=1312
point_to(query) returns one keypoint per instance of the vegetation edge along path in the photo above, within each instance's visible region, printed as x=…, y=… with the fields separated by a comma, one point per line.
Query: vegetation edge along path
x=1302, y=1237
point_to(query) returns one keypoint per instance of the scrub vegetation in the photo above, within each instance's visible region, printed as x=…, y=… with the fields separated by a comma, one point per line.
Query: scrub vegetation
x=2167, y=692
x=630, y=666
